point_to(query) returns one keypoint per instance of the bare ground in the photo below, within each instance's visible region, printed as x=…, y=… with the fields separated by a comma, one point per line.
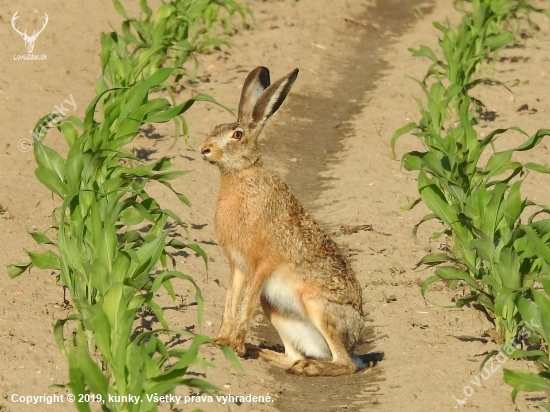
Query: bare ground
x=330, y=141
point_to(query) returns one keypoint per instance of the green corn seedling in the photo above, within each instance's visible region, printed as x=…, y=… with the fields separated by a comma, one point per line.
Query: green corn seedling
x=121, y=69
x=464, y=53
x=196, y=22
x=178, y=29
x=506, y=14
x=168, y=37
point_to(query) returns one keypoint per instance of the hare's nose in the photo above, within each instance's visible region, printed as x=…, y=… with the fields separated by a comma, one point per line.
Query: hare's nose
x=205, y=151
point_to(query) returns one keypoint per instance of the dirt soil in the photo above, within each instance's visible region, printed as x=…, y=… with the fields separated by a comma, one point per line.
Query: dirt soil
x=330, y=141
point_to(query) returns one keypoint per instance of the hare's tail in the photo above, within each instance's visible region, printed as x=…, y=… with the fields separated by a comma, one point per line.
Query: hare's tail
x=367, y=360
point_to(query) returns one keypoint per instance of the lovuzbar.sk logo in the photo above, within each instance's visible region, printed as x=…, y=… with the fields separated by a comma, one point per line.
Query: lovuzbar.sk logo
x=29, y=40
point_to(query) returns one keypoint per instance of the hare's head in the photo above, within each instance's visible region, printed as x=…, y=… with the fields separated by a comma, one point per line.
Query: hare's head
x=234, y=146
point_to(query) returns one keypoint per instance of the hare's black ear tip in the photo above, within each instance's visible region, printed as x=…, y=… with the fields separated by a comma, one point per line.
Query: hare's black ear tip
x=263, y=76
x=295, y=72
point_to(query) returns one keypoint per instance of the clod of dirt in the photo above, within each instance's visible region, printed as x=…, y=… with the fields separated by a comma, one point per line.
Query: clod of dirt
x=525, y=108
x=420, y=325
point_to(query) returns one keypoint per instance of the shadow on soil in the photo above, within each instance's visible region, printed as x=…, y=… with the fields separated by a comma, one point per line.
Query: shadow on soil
x=313, y=142
x=320, y=124
x=349, y=393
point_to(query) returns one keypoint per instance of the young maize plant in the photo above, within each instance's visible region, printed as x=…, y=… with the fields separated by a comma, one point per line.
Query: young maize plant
x=169, y=38
x=177, y=30
x=534, y=308
x=121, y=69
x=464, y=53
x=507, y=15
x=111, y=250
x=181, y=25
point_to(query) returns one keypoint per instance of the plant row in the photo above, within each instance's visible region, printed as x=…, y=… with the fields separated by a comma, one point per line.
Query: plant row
x=499, y=254
x=111, y=243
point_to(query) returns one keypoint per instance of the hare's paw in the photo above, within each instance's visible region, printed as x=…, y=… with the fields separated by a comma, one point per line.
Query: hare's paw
x=311, y=367
x=222, y=340
x=237, y=346
x=305, y=367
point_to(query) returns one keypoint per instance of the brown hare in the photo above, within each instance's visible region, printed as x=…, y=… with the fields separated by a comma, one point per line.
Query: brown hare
x=277, y=252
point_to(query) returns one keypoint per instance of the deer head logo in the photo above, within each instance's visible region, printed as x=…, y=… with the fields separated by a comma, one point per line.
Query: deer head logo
x=29, y=40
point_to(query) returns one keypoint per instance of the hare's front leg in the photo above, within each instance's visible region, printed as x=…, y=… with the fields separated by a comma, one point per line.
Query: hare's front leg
x=236, y=282
x=247, y=304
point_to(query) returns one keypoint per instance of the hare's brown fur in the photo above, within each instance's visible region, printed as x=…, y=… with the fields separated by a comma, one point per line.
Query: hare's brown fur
x=277, y=252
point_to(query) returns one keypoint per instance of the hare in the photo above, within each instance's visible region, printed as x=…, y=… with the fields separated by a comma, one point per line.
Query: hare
x=277, y=252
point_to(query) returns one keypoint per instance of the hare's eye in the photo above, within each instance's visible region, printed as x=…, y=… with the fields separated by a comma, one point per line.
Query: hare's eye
x=237, y=134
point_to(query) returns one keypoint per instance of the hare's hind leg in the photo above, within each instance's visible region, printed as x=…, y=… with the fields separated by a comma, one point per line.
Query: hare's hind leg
x=281, y=360
x=300, y=337
x=339, y=325
x=291, y=355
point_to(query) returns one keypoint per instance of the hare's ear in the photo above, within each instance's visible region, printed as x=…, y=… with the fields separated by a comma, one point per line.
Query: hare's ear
x=254, y=85
x=273, y=97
